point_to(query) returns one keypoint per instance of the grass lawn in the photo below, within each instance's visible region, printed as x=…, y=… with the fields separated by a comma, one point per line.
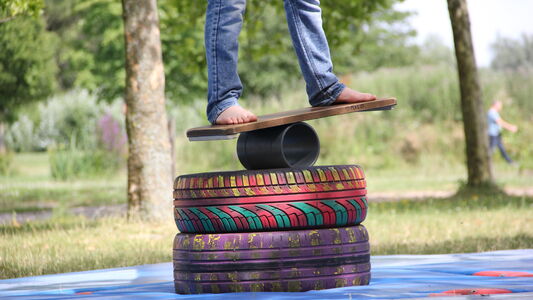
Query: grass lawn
x=467, y=223
x=31, y=188
x=470, y=223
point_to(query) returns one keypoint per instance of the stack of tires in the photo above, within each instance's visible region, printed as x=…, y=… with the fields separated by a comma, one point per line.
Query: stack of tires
x=274, y=230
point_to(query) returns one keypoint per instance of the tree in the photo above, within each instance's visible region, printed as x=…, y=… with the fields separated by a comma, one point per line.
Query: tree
x=149, y=161
x=27, y=69
x=91, y=45
x=10, y=9
x=513, y=54
x=360, y=33
x=474, y=121
x=90, y=52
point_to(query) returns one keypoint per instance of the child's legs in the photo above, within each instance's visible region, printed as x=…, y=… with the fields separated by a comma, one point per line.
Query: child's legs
x=222, y=27
x=305, y=25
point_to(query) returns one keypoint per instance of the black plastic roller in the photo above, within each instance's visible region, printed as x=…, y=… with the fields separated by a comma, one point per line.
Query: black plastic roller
x=287, y=146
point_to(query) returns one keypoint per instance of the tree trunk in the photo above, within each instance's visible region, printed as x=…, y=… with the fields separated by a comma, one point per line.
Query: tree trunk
x=172, y=139
x=3, y=149
x=149, y=161
x=474, y=121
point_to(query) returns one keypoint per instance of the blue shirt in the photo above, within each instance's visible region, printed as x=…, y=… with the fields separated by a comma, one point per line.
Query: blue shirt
x=493, y=127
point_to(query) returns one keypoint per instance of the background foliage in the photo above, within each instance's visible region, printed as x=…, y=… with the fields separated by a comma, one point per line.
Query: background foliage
x=10, y=9
x=27, y=69
x=80, y=61
x=89, y=52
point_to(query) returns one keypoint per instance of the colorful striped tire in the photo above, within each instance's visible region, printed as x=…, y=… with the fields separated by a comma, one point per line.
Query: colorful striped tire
x=283, y=261
x=269, y=200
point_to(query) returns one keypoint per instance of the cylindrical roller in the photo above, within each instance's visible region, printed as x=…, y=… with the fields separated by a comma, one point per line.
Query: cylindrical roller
x=287, y=146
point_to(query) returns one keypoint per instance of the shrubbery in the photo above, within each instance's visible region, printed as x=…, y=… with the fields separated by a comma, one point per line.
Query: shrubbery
x=70, y=163
x=83, y=136
x=425, y=127
x=5, y=163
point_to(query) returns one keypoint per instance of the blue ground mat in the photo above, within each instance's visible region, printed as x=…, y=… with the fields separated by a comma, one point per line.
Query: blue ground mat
x=393, y=277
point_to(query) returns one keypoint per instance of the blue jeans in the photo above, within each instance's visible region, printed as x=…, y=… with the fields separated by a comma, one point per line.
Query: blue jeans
x=222, y=27
x=496, y=141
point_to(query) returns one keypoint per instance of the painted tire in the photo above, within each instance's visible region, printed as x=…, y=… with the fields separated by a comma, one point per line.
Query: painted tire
x=266, y=200
x=283, y=261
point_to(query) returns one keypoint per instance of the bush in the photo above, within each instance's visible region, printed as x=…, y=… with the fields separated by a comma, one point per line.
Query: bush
x=5, y=163
x=20, y=135
x=72, y=115
x=425, y=129
x=71, y=163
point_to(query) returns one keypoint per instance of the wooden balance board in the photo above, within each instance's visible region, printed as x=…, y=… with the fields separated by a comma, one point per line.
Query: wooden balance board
x=226, y=132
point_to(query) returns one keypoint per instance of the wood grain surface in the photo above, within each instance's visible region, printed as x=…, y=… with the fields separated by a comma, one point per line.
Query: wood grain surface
x=288, y=117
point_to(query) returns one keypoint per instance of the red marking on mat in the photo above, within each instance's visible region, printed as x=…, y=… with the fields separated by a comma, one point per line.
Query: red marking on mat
x=503, y=274
x=84, y=293
x=461, y=292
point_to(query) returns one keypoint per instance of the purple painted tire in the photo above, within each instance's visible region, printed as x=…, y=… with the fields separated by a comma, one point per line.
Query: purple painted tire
x=282, y=261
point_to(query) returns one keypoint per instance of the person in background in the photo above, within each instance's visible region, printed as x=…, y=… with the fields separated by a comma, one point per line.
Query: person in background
x=495, y=125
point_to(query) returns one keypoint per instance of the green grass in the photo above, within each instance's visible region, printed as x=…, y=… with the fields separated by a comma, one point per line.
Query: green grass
x=72, y=244
x=419, y=144
x=31, y=188
x=417, y=147
x=467, y=223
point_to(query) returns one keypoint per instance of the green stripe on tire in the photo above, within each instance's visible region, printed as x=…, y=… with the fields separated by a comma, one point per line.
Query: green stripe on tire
x=281, y=217
x=252, y=218
x=226, y=219
x=341, y=215
x=359, y=210
x=204, y=219
x=314, y=216
x=188, y=222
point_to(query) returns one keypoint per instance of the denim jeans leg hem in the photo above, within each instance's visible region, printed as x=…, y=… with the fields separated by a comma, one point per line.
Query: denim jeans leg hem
x=329, y=96
x=212, y=116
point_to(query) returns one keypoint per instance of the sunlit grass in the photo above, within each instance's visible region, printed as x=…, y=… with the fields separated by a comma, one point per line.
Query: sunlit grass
x=402, y=150
x=465, y=224
x=31, y=188
x=73, y=244
x=472, y=223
